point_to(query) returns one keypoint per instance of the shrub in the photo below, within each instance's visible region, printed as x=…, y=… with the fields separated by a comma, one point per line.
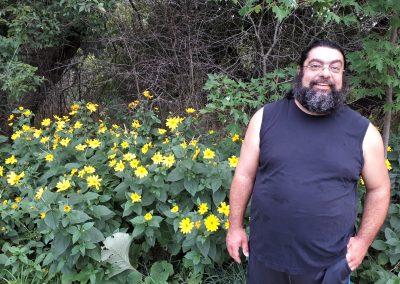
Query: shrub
x=75, y=180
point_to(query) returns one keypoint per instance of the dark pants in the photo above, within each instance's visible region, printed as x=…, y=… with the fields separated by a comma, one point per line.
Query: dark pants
x=338, y=273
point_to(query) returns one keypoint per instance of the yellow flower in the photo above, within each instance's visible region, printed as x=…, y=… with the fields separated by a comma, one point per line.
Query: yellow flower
x=67, y=208
x=124, y=144
x=193, y=142
x=60, y=125
x=196, y=153
x=133, y=104
x=235, y=137
x=73, y=172
x=65, y=141
x=166, y=141
x=175, y=209
x=18, y=199
x=119, y=167
x=81, y=173
x=148, y=216
x=27, y=112
x=112, y=163
x=146, y=148
x=11, y=117
x=49, y=157
x=202, y=209
x=80, y=147
x=89, y=169
x=161, y=131
x=157, y=158
x=63, y=185
x=14, y=206
x=16, y=135
x=44, y=140
x=197, y=224
x=208, y=154
x=94, y=181
x=212, y=223
x=141, y=172
x=46, y=122
x=362, y=181
x=128, y=157
x=91, y=107
x=78, y=125
x=173, y=122
x=5, y=202
x=211, y=132
x=102, y=128
x=183, y=145
x=233, y=161
x=11, y=160
x=169, y=160
x=389, y=149
x=74, y=107
x=13, y=178
x=39, y=193
x=388, y=164
x=134, y=163
x=223, y=209
x=190, y=110
x=135, y=197
x=147, y=95
x=1, y=171
x=42, y=215
x=136, y=123
x=227, y=224
x=93, y=143
x=37, y=133
x=186, y=226
x=21, y=108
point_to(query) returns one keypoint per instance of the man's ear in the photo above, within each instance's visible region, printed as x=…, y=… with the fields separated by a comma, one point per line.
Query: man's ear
x=298, y=70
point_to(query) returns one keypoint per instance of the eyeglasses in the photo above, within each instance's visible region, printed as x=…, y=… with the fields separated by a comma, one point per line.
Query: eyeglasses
x=318, y=67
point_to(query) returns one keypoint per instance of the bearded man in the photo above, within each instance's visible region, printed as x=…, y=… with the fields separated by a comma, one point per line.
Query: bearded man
x=300, y=161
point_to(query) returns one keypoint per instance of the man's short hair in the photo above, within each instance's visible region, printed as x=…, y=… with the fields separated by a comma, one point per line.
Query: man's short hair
x=321, y=43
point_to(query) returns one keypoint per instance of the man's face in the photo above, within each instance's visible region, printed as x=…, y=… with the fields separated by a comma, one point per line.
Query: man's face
x=322, y=80
x=319, y=85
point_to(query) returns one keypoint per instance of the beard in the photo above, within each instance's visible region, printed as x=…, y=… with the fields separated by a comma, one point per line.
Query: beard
x=318, y=101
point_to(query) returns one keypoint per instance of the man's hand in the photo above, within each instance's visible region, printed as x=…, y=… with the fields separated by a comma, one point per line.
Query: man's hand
x=356, y=251
x=235, y=239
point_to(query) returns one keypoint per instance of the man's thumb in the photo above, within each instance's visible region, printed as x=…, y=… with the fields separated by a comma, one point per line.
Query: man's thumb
x=245, y=247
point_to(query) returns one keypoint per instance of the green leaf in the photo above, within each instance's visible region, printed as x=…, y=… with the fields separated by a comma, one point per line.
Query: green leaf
x=78, y=216
x=138, y=230
x=92, y=235
x=52, y=218
x=160, y=271
x=101, y=211
x=60, y=244
x=191, y=186
x=135, y=277
x=176, y=175
x=138, y=220
x=379, y=245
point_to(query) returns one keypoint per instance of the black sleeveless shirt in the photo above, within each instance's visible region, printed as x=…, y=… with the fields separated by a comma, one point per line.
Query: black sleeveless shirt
x=304, y=199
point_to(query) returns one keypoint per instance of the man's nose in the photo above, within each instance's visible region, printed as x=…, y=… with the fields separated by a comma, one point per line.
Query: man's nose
x=325, y=72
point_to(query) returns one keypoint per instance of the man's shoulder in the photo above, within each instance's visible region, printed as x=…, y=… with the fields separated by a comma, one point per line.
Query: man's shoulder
x=346, y=109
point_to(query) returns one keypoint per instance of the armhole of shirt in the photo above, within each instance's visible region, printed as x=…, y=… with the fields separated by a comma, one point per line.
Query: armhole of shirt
x=269, y=113
x=364, y=127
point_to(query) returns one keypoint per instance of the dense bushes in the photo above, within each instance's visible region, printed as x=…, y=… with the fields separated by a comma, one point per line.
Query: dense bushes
x=77, y=180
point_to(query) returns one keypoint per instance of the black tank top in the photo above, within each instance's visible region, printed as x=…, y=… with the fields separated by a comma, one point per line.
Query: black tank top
x=304, y=199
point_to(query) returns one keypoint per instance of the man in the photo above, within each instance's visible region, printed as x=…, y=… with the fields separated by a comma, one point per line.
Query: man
x=301, y=159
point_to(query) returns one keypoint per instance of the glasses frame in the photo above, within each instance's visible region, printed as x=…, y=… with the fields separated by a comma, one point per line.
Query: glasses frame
x=323, y=66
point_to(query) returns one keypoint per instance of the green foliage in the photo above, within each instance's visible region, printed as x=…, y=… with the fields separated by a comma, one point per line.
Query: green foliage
x=235, y=101
x=73, y=183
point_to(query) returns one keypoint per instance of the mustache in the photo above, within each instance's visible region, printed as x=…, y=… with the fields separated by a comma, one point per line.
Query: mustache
x=321, y=81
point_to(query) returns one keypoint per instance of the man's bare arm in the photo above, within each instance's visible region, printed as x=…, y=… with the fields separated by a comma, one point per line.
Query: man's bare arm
x=242, y=186
x=377, y=198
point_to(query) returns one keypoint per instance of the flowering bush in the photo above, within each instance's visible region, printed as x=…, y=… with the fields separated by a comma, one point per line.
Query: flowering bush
x=75, y=180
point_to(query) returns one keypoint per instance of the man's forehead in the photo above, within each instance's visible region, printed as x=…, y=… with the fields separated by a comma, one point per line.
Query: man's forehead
x=324, y=54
